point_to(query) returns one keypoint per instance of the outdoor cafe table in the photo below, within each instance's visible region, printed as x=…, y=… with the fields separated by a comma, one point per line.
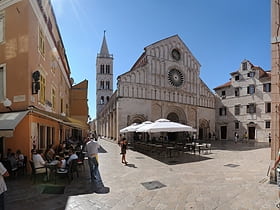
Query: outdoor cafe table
x=190, y=147
x=52, y=166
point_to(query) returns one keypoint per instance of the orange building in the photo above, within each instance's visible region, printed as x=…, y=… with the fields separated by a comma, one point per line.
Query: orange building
x=39, y=105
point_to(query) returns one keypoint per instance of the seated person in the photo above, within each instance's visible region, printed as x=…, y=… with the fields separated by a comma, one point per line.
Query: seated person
x=39, y=162
x=50, y=153
x=20, y=158
x=72, y=156
x=62, y=163
x=13, y=161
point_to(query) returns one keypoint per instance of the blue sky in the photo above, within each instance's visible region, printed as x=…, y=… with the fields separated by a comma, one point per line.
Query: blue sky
x=219, y=33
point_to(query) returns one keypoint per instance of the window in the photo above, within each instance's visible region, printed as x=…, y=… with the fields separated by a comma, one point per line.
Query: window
x=267, y=124
x=101, y=84
x=251, y=108
x=244, y=66
x=267, y=87
x=236, y=125
x=107, y=69
x=102, y=100
x=2, y=19
x=223, y=111
x=237, y=109
x=108, y=98
x=267, y=107
x=42, y=137
x=251, y=89
x=107, y=85
x=236, y=77
x=223, y=94
x=53, y=65
x=2, y=83
x=102, y=69
x=236, y=91
x=41, y=42
x=61, y=106
x=53, y=98
x=251, y=74
x=42, y=89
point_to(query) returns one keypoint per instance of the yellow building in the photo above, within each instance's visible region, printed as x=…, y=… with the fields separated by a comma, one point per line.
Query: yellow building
x=38, y=102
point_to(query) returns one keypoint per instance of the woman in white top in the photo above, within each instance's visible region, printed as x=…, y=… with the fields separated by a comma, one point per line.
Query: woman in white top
x=39, y=163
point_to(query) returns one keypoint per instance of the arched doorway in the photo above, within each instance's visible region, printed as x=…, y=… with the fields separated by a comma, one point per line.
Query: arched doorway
x=174, y=118
x=203, y=129
x=252, y=130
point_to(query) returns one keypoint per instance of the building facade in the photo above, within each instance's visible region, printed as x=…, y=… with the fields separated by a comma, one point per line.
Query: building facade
x=163, y=83
x=37, y=95
x=243, y=105
x=275, y=80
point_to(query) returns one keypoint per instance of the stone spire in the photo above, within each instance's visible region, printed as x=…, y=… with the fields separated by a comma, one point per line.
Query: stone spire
x=104, y=52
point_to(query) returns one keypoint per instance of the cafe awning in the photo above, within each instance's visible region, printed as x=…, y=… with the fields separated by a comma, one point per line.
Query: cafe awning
x=75, y=123
x=9, y=121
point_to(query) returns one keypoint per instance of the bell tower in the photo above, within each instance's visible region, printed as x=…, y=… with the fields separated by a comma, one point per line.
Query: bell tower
x=104, y=76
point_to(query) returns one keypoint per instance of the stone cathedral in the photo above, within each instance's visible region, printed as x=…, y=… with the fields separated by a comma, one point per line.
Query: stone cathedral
x=164, y=82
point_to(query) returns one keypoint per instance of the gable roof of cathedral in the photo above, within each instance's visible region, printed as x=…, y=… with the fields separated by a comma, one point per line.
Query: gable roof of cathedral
x=142, y=60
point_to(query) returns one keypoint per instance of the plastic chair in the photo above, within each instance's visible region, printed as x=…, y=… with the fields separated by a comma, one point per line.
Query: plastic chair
x=34, y=172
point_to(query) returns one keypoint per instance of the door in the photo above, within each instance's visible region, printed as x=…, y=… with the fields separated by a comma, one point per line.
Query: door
x=251, y=132
x=223, y=132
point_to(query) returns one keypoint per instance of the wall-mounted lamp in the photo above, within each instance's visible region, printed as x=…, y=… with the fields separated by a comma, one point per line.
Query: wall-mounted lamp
x=7, y=103
x=36, y=82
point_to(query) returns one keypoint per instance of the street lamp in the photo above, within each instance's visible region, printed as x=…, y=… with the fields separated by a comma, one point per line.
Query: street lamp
x=7, y=103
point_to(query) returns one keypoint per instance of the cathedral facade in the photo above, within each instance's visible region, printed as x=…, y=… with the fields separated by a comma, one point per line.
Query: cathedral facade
x=163, y=83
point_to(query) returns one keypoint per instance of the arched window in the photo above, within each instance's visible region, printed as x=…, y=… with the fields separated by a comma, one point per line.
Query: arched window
x=107, y=85
x=102, y=84
x=102, y=100
x=108, y=98
x=107, y=69
x=102, y=69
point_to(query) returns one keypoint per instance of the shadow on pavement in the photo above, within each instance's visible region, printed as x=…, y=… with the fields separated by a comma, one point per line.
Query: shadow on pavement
x=23, y=194
x=239, y=146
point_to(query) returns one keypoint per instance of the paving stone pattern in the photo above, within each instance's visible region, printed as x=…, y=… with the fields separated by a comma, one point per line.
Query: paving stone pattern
x=232, y=176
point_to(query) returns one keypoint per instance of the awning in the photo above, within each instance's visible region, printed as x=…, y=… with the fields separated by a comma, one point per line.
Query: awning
x=9, y=121
x=76, y=123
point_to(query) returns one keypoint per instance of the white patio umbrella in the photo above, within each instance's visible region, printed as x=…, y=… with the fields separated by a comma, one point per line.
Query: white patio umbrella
x=133, y=127
x=164, y=125
x=129, y=128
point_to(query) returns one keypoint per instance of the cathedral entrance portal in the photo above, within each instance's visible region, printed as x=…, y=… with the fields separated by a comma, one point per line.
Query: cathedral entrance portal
x=174, y=118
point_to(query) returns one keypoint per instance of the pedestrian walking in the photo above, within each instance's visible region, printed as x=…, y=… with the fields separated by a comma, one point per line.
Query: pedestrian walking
x=277, y=167
x=3, y=187
x=123, y=150
x=235, y=137
x=92, y=151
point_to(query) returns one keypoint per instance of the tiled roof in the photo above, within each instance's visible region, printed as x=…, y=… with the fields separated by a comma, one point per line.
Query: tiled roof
x=223, y=86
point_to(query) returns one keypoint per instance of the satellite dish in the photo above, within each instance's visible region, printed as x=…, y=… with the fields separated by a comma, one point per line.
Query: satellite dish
x=7, y=102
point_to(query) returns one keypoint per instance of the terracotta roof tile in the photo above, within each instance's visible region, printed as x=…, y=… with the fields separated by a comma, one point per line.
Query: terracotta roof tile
x=228, y=84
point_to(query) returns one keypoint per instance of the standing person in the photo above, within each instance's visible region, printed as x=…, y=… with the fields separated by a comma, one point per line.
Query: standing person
x=246, y=137
x=92, y=151
x=3, y=187
x=276, y=165
x=235, y=137
x=123, y=150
